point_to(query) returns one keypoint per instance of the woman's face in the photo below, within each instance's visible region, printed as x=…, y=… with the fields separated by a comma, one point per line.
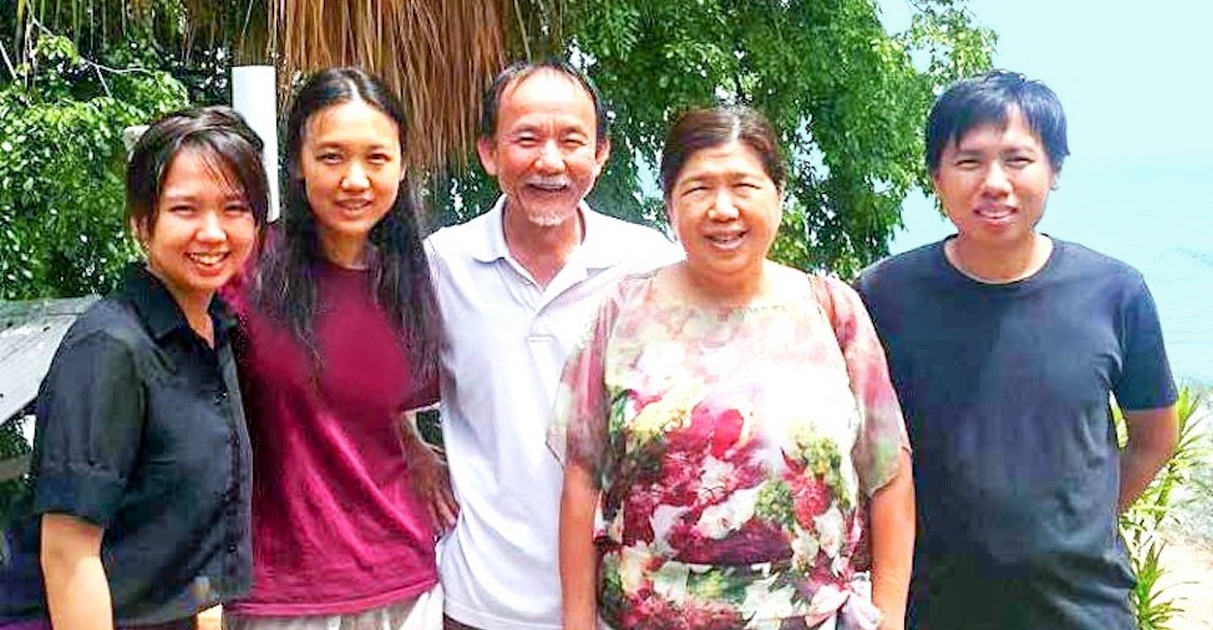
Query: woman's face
x=203, y=228
x=351, y=165
x=726, y=210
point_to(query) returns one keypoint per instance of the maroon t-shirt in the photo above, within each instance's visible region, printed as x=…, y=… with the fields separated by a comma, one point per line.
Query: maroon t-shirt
x=336, y=525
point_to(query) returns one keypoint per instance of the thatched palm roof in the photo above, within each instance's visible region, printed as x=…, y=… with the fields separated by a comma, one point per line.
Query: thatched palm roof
x=438, y=55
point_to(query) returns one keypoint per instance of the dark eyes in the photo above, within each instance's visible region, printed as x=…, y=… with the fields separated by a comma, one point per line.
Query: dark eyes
x=745, y=187
x=334, y=158
x=1014, y=161
x=568, y=142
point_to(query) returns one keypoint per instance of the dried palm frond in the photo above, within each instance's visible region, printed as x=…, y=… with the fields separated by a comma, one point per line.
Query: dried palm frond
x=437, y=55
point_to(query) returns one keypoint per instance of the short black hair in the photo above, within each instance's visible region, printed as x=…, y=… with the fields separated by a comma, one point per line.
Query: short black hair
x=988, y=99
x=518, y=72
x=219, y=134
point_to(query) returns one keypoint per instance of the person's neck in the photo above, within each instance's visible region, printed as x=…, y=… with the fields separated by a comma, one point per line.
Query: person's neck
x=736, y=290
x=344, y=253
x=999, y=265
x=199, y=318
x=195, y=306
x=196, y=309
x=542, y=250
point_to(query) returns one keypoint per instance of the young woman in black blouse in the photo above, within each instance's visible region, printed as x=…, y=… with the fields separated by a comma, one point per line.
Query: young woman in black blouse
x=139, y=510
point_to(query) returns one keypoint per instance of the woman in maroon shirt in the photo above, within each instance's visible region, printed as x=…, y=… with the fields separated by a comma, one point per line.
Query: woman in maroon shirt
x=340, y=342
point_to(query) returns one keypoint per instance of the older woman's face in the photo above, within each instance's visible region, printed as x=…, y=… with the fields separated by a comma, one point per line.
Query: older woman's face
x=726, y=210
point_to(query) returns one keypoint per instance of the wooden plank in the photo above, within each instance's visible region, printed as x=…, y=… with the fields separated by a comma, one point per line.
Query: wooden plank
x=29, y=334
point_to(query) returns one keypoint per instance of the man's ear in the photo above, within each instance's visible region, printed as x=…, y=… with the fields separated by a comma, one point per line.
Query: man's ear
x=602, y=152
x=486, y=148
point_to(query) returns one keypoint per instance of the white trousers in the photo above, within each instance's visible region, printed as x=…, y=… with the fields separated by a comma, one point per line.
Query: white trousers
x=423, y=612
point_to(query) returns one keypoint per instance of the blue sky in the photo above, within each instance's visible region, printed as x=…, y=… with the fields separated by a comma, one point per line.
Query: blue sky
x=1136, y=81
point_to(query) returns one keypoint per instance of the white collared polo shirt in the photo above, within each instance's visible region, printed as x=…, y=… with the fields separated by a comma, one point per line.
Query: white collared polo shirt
x=506, y=340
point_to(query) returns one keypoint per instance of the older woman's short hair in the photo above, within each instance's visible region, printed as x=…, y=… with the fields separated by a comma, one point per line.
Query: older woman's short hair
x=701, y=129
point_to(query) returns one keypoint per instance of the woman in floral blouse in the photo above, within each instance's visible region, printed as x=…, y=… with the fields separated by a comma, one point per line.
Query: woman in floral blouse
x=735, y=455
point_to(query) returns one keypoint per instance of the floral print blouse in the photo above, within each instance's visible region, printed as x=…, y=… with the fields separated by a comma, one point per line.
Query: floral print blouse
x=735, y=449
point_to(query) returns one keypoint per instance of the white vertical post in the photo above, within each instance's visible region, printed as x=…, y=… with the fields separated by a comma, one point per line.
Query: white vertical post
x=254, y=95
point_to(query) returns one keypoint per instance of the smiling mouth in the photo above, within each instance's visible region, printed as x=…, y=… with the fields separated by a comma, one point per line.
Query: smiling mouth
x=549, y=186
x=354, y=205
x=208, y=260
x=728, y=241
x=994, y=213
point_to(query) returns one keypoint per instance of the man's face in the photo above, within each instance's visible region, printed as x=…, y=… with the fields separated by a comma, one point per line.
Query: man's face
x=994, y=183
x=544, y=152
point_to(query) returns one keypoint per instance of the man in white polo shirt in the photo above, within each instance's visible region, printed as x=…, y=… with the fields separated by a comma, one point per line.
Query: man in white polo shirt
x=517, y=287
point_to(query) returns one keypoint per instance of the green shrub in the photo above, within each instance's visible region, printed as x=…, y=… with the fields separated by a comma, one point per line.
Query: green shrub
x=1142, y=524
x=61, y=165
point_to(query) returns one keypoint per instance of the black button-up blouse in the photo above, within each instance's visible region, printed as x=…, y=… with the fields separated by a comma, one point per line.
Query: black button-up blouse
x=140, y=430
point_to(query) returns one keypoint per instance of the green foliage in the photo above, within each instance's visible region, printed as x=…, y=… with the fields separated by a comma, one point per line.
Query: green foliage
x=12, y=446
x=845, y=95
x=1142, y=524
x=196, y=41
x=61, y=160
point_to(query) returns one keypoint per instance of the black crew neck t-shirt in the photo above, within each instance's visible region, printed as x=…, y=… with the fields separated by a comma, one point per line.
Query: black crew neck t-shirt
x=1005, y=390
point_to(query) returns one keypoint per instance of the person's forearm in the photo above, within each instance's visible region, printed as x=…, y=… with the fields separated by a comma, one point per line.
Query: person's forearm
x=1153, y=435
x=1138, y=466
x=77, y=592
x=892, y=525
x=578, y=558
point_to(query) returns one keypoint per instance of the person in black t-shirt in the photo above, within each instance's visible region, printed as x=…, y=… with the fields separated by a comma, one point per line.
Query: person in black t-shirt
x=139, y=510
x=1005, y=346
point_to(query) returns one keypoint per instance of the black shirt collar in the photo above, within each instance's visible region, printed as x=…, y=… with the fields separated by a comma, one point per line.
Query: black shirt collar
x=157, y=308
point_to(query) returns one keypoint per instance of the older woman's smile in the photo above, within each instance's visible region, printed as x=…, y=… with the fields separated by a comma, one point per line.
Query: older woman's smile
x=725, y=208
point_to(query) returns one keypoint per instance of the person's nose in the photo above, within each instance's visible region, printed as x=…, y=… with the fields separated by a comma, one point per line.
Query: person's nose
x=211, y=230
x=996, y=180
x=723, y=208
x=355, y=177
x=550, y=159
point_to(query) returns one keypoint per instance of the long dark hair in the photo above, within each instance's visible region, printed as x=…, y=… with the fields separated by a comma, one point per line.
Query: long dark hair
x=284, y=286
